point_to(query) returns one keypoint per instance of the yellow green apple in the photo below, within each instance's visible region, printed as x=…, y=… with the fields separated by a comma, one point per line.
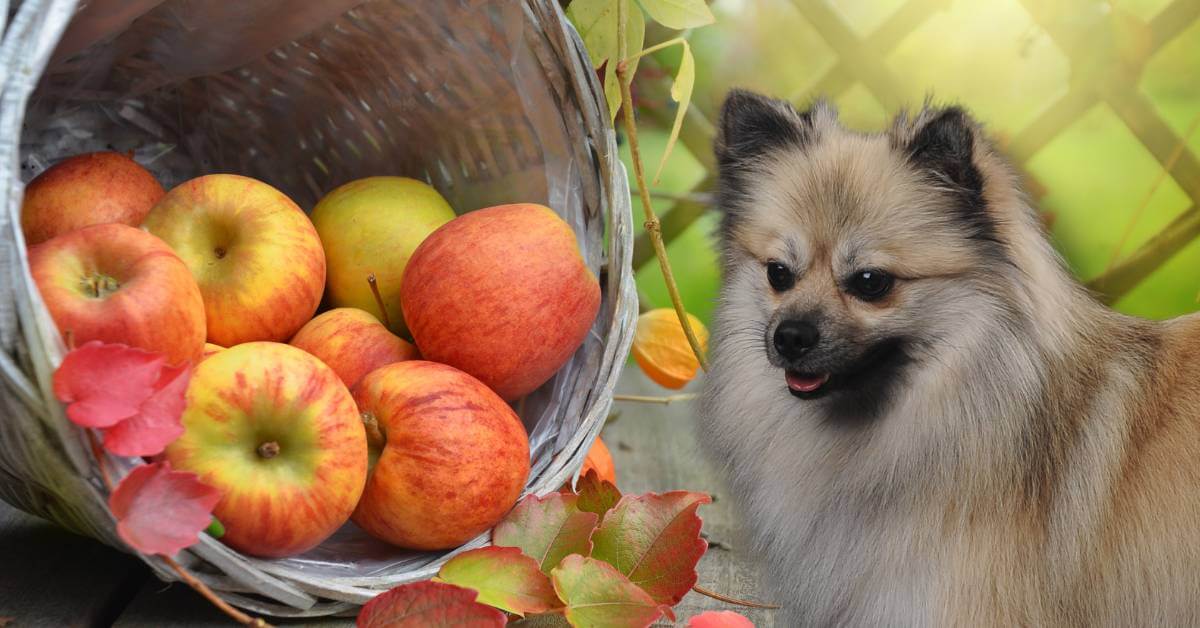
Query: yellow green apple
x=502, y=293
x=83, y=190
x=276, y=431
x=117, y=283
x=451, y=457
x=352, y=343
x=370, y=227
x=254, y=253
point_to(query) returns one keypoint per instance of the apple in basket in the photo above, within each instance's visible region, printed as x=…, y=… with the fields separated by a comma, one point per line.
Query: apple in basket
x=116, y=283
x=502, y=293
x=371, y=227
x=277, y=433
x=450, y=457
x=352, y=343
x=84, y=190
x=254, y=253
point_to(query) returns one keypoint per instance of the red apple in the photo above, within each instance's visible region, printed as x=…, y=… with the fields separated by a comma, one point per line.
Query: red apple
x=255, y=255
x=277, y=432
x=116, y=283
x=352, y=343
x=84, y=190
x=452, y=456
x=501, y=293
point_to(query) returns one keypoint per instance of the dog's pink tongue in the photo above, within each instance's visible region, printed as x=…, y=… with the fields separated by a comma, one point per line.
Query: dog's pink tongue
x=801, y=383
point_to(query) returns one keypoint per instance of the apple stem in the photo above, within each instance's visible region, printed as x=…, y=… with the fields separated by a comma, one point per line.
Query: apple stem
x=374, y=283
x=375, y=437
x=268, y=450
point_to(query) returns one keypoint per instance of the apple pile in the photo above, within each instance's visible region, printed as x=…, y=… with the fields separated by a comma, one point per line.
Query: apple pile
x=305, y=420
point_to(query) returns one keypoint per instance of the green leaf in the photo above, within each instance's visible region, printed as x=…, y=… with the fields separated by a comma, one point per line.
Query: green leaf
x=596, y=21
x=547, y=529
x=598, y=596
x=681, y=92
x=635, y=35
x=678, y=14
x=596, y=495
x=655, y=540
x=428, y=605
x=504, y=577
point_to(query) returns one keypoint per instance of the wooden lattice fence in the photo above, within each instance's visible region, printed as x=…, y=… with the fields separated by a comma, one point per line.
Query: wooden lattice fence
x=860, y=60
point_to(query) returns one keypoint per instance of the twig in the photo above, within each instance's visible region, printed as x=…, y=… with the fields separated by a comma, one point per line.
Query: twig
x=203, y=589
x=704, y=198
x=668, y=399
x=1176, y=153
x=653, y=228
x=732, y=600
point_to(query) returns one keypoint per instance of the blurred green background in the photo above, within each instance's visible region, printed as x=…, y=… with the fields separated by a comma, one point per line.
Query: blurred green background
x=1089, y=99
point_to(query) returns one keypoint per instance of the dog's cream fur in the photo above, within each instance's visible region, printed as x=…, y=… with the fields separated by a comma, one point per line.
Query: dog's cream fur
x=1037, y=462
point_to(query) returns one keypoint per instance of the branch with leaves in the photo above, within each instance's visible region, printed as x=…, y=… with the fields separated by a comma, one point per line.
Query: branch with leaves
x=614, y=32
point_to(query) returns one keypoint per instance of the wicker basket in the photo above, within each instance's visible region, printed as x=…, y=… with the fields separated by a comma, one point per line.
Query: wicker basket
x=490, y=101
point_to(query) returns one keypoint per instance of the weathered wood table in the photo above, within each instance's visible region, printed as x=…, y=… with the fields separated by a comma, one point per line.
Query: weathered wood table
x=49, y=577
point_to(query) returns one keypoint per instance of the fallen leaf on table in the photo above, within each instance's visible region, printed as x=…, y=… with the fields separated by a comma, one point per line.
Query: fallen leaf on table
x=655, y=541
x=428, y=605
x=596, y=495
x=598, y=595
x=547, y=529
x=503, y=577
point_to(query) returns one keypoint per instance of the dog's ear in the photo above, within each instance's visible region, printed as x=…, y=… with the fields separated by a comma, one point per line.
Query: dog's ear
x=943, y=145
x=750, y=125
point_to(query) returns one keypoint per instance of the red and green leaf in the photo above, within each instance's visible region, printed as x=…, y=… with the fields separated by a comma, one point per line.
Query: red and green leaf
x=160, y=510
x=547, y=529
x=428, y=605
x=156, y=423
x=597, y=595
x=104, y=384
x=503, y=577
x=720, y=619
x=596, y=495
x=655, y=541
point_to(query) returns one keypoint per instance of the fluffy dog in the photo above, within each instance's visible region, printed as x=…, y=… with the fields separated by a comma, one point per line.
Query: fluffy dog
x=926, y=420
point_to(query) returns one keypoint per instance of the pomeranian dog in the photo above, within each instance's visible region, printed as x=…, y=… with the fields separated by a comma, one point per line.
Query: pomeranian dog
x=925, y=420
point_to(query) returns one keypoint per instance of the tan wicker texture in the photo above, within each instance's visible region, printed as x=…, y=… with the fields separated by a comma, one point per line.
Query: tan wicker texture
x=490, y=101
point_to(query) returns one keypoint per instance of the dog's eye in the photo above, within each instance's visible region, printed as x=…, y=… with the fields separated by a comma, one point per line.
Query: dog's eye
x=780, y=277
x=869, y=285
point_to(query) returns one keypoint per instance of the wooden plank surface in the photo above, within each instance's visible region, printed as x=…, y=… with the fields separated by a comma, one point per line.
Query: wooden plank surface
x=53, y=578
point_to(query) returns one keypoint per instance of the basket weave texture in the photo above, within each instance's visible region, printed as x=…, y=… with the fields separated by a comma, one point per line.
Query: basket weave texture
x=489, y=101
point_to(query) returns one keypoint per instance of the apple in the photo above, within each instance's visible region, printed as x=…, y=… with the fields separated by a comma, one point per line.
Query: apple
x=277, y=433
x=209, y=349
x=84, y=190
x=254, y=253
x=116, y=283
x=451, y=457
x=503, y=294
x=352, y=343
x=370, y=227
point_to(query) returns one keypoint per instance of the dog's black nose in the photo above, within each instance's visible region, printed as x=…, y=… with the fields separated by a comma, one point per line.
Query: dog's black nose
x=794, y=338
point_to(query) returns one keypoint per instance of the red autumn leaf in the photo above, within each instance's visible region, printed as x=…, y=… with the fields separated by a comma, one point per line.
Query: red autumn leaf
x=503, y=577
x=597, y=595
x=547, y=529
x=156, y=423
x=596, y=495
x=720, y=619
x=428, y=605
x=655, y=540
x=160, y=510
x=105, y=383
